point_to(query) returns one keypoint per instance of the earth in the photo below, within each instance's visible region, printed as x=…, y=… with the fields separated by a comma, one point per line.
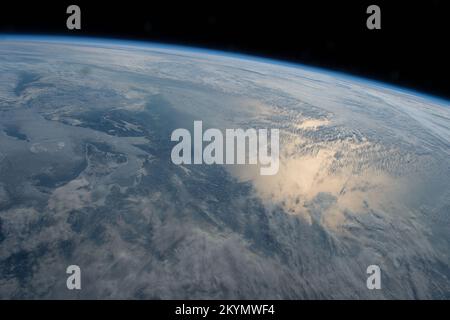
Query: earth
x=86, y=178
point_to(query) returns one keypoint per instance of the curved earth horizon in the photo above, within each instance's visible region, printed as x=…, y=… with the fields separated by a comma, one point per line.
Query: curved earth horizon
x=86, y=178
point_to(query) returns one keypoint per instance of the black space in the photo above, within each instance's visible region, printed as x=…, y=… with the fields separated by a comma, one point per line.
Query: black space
x=410, y=50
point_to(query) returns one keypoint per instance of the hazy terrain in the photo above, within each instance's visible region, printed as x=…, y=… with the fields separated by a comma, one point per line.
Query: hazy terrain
x=86, y=179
